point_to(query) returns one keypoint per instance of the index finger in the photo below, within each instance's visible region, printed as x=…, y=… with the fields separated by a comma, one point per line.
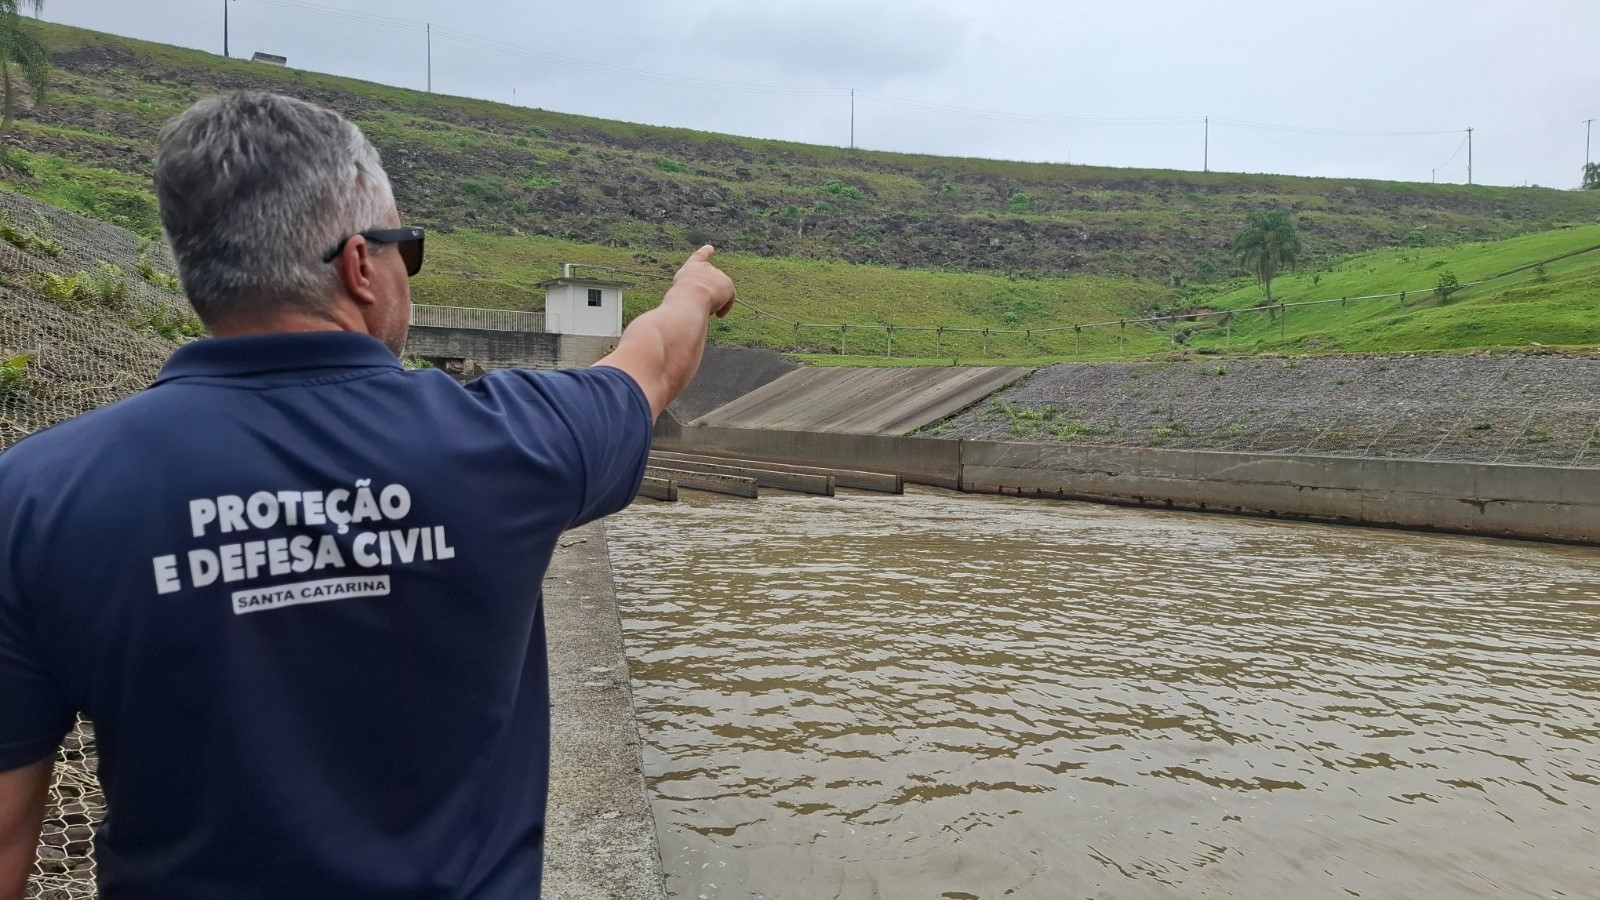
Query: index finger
x=703, y=254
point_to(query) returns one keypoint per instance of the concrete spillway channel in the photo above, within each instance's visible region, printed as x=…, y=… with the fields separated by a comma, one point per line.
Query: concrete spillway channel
x=667, y=473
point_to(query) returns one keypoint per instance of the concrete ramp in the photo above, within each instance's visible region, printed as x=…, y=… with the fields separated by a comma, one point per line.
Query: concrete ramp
x=861, y=401
x=726, y=374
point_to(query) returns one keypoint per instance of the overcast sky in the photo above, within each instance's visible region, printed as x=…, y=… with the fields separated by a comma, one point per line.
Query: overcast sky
x=1524, y=74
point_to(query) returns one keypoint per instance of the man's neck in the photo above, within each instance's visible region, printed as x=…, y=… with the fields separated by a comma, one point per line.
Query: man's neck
x=287, y=323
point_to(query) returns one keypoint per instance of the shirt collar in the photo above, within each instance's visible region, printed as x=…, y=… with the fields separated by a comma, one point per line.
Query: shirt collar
x=265, y=354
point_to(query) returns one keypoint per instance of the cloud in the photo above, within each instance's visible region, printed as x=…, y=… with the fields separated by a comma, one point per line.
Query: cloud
x=835, y=43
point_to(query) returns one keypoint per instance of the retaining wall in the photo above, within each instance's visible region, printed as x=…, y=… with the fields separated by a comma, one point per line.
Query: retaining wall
x=483, y=349
x=1532, y=502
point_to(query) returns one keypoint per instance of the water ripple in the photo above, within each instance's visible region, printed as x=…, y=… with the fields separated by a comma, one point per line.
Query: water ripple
x=946, y=696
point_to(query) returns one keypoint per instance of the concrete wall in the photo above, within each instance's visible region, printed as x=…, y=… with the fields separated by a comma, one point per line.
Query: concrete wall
x=919, y=460
x=489, y=350
x=1534, y=502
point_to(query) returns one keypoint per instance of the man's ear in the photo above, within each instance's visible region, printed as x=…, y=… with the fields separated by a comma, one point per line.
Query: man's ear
x=355, y=270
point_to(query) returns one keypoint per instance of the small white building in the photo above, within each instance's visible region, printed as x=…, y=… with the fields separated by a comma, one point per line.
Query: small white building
x=271, y=59
x=583, y=306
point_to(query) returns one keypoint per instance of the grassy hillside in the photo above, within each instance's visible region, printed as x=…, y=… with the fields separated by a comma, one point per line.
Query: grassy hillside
x=507, y=170
x=830, y=236
x=1555, y=305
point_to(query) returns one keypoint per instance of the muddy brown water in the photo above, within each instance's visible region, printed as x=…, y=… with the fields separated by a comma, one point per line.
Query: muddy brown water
x=942, y=696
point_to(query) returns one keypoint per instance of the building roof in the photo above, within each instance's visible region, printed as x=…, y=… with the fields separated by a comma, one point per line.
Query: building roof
x=586, y=282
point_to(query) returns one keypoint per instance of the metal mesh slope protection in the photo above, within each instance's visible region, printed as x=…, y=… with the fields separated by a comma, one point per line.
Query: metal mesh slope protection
x=88, y=314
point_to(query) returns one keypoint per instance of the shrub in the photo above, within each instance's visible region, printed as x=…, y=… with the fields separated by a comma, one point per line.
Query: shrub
x=172, y=324
x=841, y=190
x=539, y=130
x=1020, y=203
x=1447, y=285
x=25, y=239
x=672, y=166
x=1416, y=237
x=14, y=373
x=149, y=272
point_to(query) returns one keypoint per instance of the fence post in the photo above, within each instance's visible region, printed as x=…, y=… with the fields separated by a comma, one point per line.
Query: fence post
x=888, y=335
x=986, y=343
x=758, y=329
x=1122, y=337
x=797, y=336
x=1077, y=339
x=841, y=338
x=1283, y=319
x=938, y=341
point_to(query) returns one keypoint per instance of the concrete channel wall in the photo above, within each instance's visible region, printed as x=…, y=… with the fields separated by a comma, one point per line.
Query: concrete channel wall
x=1532, y=502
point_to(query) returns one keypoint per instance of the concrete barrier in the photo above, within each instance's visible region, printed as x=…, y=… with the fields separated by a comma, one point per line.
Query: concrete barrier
x=659, y=489
x=1536, y=502
x=768, y=478
x=731, y=485
x=1530, y=502
x=845, y=478
x=917, y=460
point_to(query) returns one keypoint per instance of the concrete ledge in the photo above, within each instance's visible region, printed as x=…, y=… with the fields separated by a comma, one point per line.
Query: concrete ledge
x=845, y=478
x=659, y=489
x=1532, y=502
x=600, y=835
x=732, y=485
x=917, y=460
x=822, y=485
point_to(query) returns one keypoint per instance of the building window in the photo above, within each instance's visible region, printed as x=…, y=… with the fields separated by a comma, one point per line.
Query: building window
x=594, y=297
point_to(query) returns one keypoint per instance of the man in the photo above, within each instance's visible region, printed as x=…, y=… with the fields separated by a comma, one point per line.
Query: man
x=295, y=586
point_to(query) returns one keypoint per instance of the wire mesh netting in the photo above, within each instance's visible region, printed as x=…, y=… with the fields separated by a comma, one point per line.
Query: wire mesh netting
x=88, y=315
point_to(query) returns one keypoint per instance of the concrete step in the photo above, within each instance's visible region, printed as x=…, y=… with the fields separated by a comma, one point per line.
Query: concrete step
x=731, y=485
x=768, y=478
x=848, y=478
x=659, y=489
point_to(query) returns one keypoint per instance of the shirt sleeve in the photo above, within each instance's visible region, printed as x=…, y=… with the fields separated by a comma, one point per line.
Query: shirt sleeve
x=34, y=716
x=607, y=418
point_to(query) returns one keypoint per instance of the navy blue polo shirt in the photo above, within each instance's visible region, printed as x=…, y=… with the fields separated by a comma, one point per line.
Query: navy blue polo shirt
x=297, y=589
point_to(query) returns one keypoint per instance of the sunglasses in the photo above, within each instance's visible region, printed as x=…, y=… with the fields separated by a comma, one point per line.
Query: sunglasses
x=408, y=239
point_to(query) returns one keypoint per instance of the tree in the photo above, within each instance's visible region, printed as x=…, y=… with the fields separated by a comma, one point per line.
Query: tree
x=1591, y=176
x=1267, y=245
x=24, y=61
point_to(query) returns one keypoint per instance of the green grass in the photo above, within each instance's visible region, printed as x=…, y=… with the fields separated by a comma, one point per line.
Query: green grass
x=461, y=163
x=476, y=269
x=1562, y=310
x=831, y=236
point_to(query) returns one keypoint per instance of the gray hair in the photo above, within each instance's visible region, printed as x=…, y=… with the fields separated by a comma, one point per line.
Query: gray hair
x=254, y=189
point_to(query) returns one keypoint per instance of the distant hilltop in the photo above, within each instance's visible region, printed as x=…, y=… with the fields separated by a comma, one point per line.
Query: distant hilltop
x=461, y=163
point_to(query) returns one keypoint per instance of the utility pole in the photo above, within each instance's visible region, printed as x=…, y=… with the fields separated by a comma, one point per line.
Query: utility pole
x=852, y=118
x=1469, y=156
x=1588, y=129
x=225, y=28
x=430, y=57
x=1206, y=166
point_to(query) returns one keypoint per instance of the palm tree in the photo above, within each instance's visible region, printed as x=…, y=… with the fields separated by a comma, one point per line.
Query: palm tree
x=1267, y=246
x=24, y=61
